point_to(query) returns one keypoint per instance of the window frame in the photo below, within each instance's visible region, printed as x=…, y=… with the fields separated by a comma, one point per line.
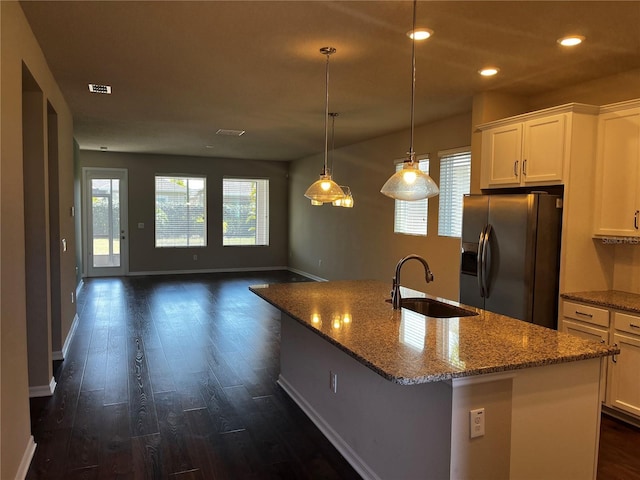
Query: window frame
x=450, y=200
x=188, y=178
x=263, y=220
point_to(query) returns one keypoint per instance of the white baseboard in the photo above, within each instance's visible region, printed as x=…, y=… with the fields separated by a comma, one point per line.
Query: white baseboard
x=310, y=275
x=43, y=390
x=79, y=287
x=336, y=440
x=27, y=456
x=206, y=270
x=67, y=341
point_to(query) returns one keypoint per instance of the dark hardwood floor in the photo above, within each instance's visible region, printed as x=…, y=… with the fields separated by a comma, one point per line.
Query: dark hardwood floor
x=619, y=456
x=174, y=378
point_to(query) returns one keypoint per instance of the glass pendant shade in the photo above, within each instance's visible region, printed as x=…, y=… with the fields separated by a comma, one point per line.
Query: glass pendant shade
x=324, y=190
x=346, y=200
x=410, y=184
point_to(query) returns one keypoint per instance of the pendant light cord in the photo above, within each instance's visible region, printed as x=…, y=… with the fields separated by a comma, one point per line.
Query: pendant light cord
x=412, y=154
x=333, y=116
x=326, y=51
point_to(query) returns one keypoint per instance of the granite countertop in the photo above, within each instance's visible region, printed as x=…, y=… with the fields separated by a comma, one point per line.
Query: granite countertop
x=408, y=348
x=629, y=302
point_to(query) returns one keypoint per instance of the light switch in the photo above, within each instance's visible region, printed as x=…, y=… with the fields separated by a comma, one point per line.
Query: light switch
x=140, y=225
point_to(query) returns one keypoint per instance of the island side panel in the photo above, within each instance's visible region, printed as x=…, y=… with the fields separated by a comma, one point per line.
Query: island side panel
x=383, y=429
x=556, y=421
x=487, y=456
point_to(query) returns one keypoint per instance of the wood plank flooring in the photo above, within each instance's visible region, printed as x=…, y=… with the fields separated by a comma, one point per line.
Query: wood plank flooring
x=174, y=377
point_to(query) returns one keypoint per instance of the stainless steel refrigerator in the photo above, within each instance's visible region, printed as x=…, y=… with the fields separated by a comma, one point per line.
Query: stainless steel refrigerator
x=510, y=255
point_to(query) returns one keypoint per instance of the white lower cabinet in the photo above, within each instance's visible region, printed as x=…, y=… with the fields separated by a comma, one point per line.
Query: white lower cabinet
x=621, y=375
x=590, y=323
x=623, y=391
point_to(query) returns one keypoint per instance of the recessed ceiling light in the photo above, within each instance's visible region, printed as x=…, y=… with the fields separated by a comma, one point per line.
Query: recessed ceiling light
x=420, y=33
x=230, y=133
x=571, y=40
x=489, y=71
x=95, y=88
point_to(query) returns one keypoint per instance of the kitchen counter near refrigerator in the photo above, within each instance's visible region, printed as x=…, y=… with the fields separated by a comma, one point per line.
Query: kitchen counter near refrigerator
x=629, y=302
x=403, y=395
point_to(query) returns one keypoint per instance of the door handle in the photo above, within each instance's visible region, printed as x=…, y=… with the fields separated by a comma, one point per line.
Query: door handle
x=479, y=261
x=524, y=167
x=635, y=219
x=485, y=247
x=515, y=168
x=613, y=357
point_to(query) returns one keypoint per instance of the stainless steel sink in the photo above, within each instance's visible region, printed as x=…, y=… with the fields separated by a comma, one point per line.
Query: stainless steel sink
x=434, y=308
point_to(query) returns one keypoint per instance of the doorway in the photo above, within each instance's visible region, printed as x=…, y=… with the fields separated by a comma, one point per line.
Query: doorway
x=105, y=222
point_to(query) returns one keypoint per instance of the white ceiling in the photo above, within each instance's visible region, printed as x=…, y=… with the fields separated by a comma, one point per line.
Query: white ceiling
x=182, y=70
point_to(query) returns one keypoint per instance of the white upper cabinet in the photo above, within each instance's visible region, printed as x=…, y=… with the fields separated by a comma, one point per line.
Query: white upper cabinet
x=617, y=211
x=532, y=149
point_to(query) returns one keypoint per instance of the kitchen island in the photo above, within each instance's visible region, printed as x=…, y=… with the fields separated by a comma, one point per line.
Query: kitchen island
x=393, y=389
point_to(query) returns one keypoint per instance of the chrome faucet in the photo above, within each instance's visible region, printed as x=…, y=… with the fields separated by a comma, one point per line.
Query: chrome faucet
x=395, y=292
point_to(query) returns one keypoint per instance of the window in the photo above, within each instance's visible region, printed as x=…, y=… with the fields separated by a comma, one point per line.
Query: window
x=411, y=217
x=455, y=178
x=245, y=211
x=181, y=211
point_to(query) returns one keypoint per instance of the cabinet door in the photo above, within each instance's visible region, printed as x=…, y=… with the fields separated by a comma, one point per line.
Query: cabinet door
x=544, y=150
x=618, y=174
x=624, y=379
x=502, y=150
x=589, y=332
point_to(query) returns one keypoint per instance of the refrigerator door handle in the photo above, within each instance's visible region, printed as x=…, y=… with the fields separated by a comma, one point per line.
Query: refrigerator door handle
x=485, y=247
x=479, y=261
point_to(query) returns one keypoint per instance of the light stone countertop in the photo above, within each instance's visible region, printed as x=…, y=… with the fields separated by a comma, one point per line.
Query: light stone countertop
x=408, y=348
x=616, y=299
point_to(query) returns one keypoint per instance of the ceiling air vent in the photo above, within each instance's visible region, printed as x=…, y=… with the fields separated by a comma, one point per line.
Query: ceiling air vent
x=95, y=88
x=230, y=133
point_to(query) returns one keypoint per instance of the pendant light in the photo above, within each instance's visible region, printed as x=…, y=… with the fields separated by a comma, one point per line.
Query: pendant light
x=325, y=190
x=411, y=183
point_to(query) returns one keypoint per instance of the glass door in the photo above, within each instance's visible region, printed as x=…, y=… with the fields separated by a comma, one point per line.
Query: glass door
x=105, y=210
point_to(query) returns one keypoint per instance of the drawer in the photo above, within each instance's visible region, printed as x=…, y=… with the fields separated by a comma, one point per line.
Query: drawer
x=584, y=330
x=586, y=313
x=626, y=322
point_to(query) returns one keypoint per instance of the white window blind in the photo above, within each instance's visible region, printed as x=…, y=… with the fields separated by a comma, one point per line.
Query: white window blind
x=245, y=211
x=181, y=207
x=455, y=179
x=411, y=217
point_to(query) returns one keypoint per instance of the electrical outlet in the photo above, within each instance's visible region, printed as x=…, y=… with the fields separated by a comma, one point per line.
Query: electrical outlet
x=333, y=381
x=476, y=422
x=319, y=262
x=195, y=257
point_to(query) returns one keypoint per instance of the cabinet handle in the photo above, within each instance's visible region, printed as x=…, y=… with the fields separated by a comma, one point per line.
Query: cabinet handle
x=635, y=219
x=584, y=314
x=524, y=167
x=515, y=168
x=613, y=357
x=633, y=325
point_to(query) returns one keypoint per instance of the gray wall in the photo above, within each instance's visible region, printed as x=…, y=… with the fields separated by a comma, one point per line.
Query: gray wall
x=144, y=257
x=339, y=243
x=18, y=49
